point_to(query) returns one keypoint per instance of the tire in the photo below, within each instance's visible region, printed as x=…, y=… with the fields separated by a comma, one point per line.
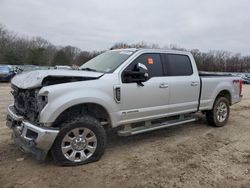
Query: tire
x=219, y=115
x=80, y=141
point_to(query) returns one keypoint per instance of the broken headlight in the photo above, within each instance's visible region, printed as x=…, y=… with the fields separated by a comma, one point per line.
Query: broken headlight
x=42, y=99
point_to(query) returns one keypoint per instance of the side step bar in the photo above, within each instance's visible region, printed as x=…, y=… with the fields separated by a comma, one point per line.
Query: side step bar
x=151, y=127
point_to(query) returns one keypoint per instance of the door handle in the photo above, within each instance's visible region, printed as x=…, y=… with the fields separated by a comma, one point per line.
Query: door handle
x=163, y=85
x=194, y=83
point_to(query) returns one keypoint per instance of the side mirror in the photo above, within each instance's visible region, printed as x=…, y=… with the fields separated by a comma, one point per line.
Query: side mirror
x=141, y=68
x=138, y=75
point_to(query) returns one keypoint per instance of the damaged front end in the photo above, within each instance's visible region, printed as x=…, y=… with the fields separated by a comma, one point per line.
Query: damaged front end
x=23, y=118
x=29, y=137
x=28, y=103
x=29, y=100
x=25, y=89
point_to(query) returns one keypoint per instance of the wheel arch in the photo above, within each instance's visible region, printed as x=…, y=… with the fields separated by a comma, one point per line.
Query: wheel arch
x=225, y=93
x=94, y=109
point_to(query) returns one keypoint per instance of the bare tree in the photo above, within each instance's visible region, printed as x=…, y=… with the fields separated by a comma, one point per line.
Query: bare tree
x=23, y=50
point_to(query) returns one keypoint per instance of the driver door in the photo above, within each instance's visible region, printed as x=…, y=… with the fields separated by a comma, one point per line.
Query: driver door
x=149, y=99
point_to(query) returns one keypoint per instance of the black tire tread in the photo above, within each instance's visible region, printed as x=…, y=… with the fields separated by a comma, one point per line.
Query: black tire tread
x=89, y=122
x=210, y=115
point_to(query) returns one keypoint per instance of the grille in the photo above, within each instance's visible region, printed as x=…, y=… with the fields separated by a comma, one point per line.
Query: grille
x=25, y=102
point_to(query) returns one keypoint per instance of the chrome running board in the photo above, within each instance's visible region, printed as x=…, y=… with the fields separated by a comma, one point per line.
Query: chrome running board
x=128, y=130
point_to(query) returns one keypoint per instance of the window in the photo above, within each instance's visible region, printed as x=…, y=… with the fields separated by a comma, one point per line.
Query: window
x=4, y=69
x=151, y=61
x=178, y=65
x=108, y=61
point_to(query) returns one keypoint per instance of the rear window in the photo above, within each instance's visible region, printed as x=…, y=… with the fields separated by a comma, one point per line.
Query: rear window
x=179, y=65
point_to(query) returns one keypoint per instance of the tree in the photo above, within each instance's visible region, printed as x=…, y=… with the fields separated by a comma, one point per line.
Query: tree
x=11, y=58
x=82, y=58
x=16, y=50
x=61, y=58
x=37, y=56
x=71, y=53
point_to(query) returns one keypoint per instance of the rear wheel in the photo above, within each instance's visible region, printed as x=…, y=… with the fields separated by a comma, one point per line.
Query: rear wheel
x=80, y=141
x=219, y=115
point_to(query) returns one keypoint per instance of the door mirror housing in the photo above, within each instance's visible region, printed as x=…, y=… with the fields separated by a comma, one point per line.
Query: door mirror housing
x=138, y=75
x=141, y=68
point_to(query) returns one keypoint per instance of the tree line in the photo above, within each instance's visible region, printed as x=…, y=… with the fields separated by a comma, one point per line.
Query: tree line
x=17, y=50
x=213, y=61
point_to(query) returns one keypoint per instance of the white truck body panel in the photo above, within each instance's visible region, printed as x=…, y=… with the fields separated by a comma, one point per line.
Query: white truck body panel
x=33, y=79
x=45, y=96
x=138, y=103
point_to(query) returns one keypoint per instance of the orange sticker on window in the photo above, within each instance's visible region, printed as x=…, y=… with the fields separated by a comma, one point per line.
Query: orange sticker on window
x=150, y=61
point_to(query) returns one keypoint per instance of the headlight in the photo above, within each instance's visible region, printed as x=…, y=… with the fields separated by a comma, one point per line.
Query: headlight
x=42, y=99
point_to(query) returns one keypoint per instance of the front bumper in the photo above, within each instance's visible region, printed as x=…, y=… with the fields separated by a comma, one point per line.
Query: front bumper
x=29, y=137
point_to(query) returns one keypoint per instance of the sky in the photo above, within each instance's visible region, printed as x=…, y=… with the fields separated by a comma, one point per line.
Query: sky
x=98, y=24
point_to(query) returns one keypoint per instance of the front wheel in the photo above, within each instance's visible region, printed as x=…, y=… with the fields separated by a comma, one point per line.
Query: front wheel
x=219, y=115
x=80, y=141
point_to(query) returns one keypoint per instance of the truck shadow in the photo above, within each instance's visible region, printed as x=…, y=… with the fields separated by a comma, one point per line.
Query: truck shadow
x=114, y=141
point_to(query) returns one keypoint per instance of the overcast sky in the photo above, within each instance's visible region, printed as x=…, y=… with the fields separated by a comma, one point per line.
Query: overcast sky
x=98, y=24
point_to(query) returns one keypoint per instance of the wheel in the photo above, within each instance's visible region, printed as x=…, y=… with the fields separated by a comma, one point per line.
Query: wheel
x=80, y=141
x=219, y=115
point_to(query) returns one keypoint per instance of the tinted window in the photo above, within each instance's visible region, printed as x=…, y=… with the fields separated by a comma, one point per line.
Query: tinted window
x=151, y=61
x=178, y=65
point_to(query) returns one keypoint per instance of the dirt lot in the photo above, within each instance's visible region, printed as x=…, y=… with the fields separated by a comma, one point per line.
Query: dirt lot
x=191, y=155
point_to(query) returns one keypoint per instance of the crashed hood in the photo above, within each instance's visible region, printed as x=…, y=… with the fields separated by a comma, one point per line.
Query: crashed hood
x=34, y=79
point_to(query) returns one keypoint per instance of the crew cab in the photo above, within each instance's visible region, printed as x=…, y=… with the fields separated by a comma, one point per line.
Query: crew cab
x=67, y=112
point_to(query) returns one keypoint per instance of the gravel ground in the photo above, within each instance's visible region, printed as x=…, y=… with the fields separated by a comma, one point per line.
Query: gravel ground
x=190, y=155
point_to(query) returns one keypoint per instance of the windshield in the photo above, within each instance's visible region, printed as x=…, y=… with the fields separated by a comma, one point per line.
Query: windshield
x=107, y=62
x=4, y=69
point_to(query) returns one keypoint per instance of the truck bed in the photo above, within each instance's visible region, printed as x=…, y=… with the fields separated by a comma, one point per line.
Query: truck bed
x=212, y=84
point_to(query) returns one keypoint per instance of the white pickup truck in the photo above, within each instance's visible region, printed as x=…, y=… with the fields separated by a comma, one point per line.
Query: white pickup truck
x=67, y=112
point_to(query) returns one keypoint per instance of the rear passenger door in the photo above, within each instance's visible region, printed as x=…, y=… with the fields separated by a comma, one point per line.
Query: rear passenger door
x=184, y=84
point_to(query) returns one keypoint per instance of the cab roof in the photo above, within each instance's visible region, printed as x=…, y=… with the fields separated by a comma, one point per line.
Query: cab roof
x=148, y=50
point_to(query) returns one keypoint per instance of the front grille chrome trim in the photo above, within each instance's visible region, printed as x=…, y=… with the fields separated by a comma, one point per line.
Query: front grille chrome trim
x=12, y=112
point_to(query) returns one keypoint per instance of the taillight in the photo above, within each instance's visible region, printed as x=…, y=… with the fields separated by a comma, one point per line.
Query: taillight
x=241, y=83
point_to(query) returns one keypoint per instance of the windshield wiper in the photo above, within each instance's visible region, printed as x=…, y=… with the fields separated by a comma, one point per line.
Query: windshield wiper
x=89, y=69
